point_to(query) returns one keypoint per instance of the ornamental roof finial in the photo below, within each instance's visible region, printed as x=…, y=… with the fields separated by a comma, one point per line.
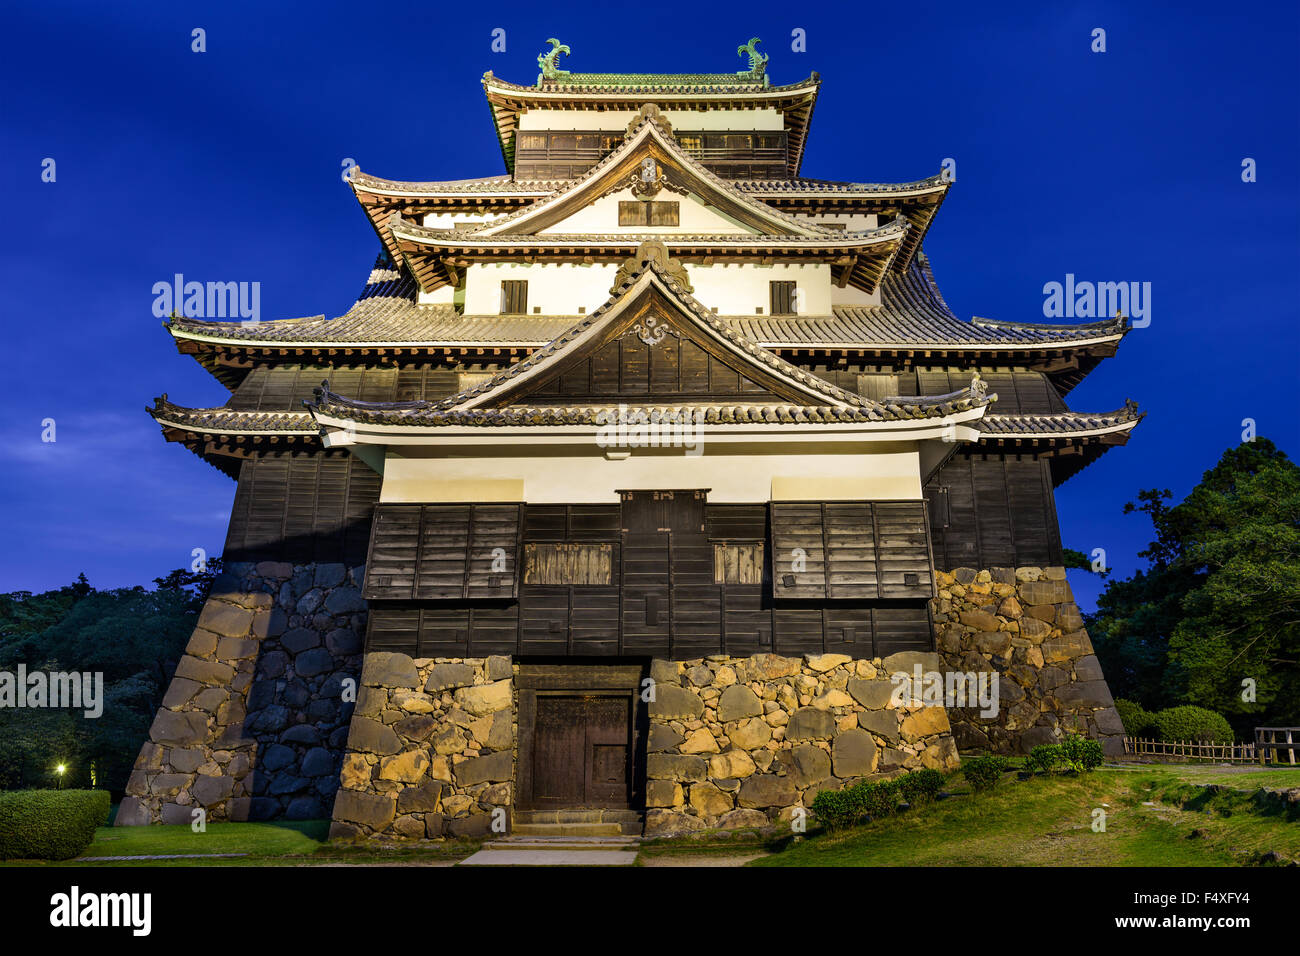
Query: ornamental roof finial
x=757, y=61
x=549, y=61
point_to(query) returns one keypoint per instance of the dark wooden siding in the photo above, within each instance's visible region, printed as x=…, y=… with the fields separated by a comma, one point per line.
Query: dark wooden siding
x=1000, y=512
x=302, y=508
x=444, y=552
x=627, y=369
x=663, y=600
x=284, y=388
x=851, y=550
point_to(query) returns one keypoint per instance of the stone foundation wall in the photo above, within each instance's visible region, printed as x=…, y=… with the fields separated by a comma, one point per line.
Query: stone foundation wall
x=742, y=742
x=1023, y=624
x=431, y=749
x=253, y=724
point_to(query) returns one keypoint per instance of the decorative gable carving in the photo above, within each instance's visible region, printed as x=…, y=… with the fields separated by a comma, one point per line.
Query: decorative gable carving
x=652, y=250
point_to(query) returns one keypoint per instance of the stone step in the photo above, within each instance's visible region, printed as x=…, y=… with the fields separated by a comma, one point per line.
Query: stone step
x=615, y=844
x=592, y=815
x=564, y=856
x=567, y=829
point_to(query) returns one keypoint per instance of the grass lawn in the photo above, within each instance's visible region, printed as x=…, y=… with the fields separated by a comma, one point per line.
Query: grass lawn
x=265, y=844
x=1047, y=821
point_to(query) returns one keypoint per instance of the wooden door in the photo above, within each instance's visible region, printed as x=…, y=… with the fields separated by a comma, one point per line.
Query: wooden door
x=581, y=751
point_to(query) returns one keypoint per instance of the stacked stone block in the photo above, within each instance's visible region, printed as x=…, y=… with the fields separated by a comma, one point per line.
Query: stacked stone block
x=253, y=724
x=1023, y=624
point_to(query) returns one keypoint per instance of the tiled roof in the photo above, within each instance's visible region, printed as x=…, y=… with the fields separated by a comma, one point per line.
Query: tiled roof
x=648, y=128
x=506, y=185
x=1066, y=425
x=913, y=314
x=784, y=414
x=804, y=185
x=225, y=421
x=674, y=84
x=465, y=406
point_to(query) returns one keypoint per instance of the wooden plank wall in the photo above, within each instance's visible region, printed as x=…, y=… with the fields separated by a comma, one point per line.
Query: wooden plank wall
x=661, y=602
x=302, y=508
x=627, y=368
x=993, y=511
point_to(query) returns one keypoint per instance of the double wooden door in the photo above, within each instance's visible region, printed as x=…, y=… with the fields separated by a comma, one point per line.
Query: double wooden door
x=581, y=751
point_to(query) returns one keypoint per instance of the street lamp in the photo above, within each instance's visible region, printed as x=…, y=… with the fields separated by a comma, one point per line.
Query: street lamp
x=60, y=770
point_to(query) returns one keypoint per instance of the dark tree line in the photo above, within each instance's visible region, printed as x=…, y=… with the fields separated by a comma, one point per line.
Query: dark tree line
x=133, y=636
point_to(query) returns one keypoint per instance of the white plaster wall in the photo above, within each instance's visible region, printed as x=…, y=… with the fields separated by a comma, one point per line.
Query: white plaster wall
x=562, y=288
x=742, y=288
x=891, y=473
x=711, y=119
x=558, y=288
x=695, y=217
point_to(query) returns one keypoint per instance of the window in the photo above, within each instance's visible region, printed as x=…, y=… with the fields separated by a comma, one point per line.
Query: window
x=514, y=297
x=652, y=213
x=783, y=298
x=568, y=563
x=738, y=563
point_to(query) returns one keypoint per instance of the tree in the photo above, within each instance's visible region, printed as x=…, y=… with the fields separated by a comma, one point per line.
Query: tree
x=132, y=636
x=1219, y=604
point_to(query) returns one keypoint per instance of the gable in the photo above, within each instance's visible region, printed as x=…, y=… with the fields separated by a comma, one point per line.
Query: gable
x=649, y=346
x=635, y=365
x=608, y=215
x=651, y=165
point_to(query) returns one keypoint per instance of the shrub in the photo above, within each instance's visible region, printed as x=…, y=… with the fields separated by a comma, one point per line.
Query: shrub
x=1193, y=723
x=984, y=772
x=878, y=799
x=1081, y=754
x=1044, y=758
x=920, y=786
x=837, y=809
x=49, y=824
x=1137, y=720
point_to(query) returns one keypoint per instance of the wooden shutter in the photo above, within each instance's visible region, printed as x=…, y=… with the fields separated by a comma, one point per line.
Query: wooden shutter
x=633, y=213
x=798, y=551
x=665, y=213
x=850, y=540
x=514, y=296
x=738, y=563
x=394, y=549
x=783, y=298
x=856, y=550
x=493, y=552
x=903, y=548
x=443, y=552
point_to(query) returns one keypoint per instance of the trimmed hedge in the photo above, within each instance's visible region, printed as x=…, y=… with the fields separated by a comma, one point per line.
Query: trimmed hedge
x=1137, y=720
x=921, y=787
x=837, y=809
x=1075, y=753
x=1193, y=723
x=50, y=824
x=983, y=773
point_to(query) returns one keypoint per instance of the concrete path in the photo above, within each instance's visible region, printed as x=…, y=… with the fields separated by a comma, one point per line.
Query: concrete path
x=556, y=851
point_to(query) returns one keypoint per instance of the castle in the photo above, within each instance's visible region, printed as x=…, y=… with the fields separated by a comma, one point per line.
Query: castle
x=626, y=488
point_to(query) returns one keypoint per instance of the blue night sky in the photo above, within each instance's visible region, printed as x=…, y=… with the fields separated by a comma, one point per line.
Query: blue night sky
x=224, y=165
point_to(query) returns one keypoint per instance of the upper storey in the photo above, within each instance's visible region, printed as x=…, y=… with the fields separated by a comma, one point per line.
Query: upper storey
x=738, y=125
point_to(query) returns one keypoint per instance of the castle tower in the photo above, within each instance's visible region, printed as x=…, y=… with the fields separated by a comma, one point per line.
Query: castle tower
x=628, y=484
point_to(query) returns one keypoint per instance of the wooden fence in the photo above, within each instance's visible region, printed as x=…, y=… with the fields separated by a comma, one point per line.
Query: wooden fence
x=1187, y=750
x=1279, y=743
x=1277, y=740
